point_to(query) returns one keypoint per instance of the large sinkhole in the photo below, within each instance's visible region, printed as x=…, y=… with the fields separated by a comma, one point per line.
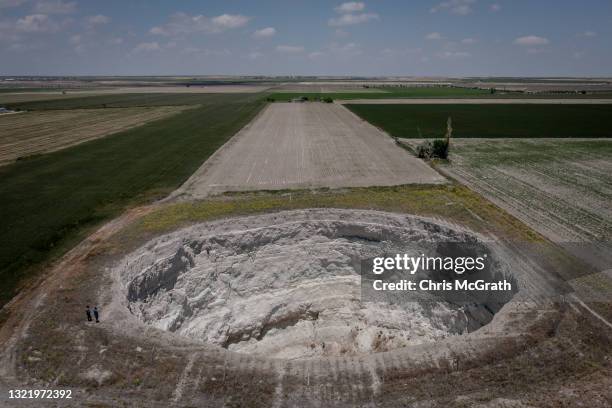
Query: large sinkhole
x=287, y=285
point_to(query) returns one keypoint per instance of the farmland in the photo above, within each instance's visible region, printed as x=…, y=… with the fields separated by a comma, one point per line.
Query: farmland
x=315, y=145
x=489, y=121
x=383, y=93
x=121, y=100
x=559, y=187
x=30, y=133
x=49, y=201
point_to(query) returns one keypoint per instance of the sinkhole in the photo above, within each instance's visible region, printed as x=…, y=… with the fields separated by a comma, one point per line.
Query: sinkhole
x=288, y=285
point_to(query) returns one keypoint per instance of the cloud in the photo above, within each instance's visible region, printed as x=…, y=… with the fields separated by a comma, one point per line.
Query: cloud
x=37, y=23
x=255, y=55
x=434, y=36
x=531, y=40
x=587, y=34
x=97, y=20
x=182, y=23
x=75, y=39
x=350, y=7
x=454, y=54
x=495, y=7
x=468, y=41
x=147, y=47
x=228, y=21
x=351, y=19
x=265, y=32
x=55, y=7
x=11, y=3
x=340, y=33
x=316, y=54
x=290, y=49
x=115, y=41
x=459, y=7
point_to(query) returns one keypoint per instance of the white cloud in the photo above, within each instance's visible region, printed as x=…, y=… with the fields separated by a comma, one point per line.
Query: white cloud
x=350, y=7
x=454, y=54
x=468, y=41
x=147, y=47
x=531, y=40
x=116, y=41
x=351, y=19
x=265, y=32
x=97, y=20
x=55, y=7
x=75, y=39
x=290, y=49
x=11, y=3
x=588, y=34
x=495, y=7
x=255, y=55
x=459, y=7
x=227, y=21
x=434, y=36
x=182, y=23
x=316, y=54
x=37, y=23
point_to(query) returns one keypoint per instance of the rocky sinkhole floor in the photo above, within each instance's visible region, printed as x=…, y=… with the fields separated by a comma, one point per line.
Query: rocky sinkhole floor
x=287, y=285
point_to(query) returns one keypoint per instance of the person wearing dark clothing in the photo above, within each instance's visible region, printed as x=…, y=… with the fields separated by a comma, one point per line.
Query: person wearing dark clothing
x=96, y=315
x=88, y=311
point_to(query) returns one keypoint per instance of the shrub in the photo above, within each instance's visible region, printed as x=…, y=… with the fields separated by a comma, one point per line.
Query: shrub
x=328, y=100
x=436, y=149
x=440, y=148
x=424, y=150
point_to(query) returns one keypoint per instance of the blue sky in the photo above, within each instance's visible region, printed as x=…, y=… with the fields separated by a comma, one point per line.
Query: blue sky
x=300, y=37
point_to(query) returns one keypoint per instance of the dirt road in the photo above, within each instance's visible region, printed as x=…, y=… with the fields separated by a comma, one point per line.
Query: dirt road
x=307, y=145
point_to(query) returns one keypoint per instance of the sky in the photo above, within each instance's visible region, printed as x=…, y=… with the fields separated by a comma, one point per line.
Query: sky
x=307, y=37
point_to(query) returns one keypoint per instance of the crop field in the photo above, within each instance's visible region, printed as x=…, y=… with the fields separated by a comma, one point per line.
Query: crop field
x=128, y=100
x=490, y=121
x=9, y=98
x=384, y=93
x=50, y=201
x=308, y=145
x=30, y=133
x=560, y=188
x=18, y=95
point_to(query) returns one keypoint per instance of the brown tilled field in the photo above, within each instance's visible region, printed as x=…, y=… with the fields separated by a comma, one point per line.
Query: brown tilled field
x=308, y=145
x=28, y=133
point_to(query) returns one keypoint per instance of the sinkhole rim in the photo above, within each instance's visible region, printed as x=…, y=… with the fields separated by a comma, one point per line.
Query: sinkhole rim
x=220, y=230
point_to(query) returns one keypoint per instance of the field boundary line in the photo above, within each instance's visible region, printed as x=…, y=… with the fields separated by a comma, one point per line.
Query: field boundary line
x=212, y=158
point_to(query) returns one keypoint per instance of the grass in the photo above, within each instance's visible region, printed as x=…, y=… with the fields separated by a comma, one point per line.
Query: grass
x=49, y=201
x=489, y=121
x=452, y=202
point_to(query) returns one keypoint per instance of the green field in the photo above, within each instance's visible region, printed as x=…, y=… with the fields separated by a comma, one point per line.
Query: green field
x=122, y=101
x=386, y=93
x=489, y=121
x=50, y=201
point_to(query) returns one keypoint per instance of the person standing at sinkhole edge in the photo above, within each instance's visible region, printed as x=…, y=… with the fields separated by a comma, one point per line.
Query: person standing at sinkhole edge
x=88, y=311
x=96, y=315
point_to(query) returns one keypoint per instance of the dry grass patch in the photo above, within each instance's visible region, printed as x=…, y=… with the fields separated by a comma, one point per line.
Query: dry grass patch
x=31, y=133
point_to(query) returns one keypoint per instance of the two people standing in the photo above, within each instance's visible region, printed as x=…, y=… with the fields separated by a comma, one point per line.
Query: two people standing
x=89, y=312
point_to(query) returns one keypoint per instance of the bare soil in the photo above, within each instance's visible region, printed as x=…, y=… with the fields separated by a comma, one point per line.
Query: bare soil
x=295, y=145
